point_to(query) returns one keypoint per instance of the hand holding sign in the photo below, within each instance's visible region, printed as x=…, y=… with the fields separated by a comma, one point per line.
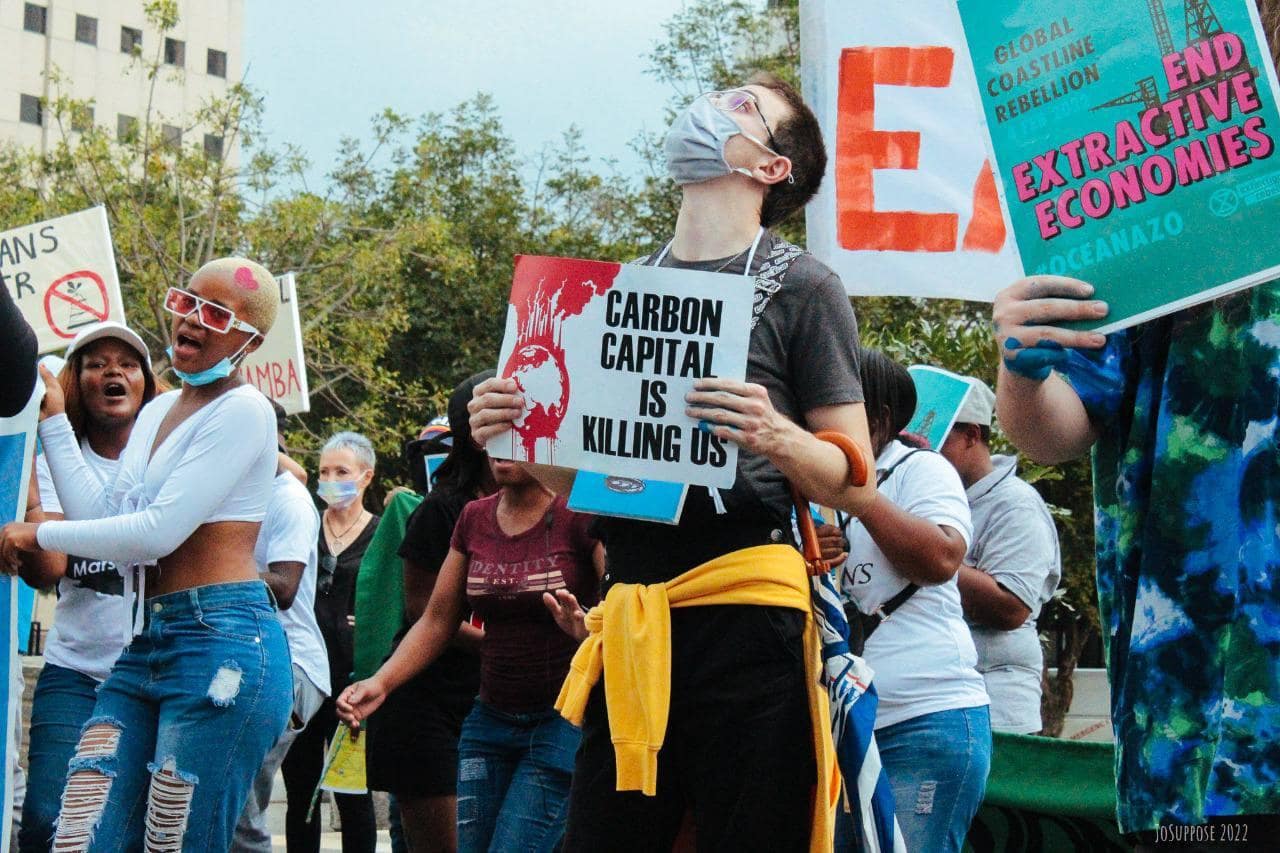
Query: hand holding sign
x=1023, y=313
x=597, y=359
x=495, y=405
x=740, y=412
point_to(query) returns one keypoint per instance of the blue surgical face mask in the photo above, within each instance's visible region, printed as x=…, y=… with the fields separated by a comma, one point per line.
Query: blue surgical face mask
x=221, y=370
x=337, y=493
x=695, y=143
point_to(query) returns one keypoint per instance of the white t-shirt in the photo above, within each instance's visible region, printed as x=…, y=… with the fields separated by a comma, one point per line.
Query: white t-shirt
x=1016, y=543
x=290, y=534
x=922, y=654
x=86, y=635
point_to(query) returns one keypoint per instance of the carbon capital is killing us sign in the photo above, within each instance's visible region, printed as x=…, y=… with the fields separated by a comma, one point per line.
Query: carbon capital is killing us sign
x=604, y=355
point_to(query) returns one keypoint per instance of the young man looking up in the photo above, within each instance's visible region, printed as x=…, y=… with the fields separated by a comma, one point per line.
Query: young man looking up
x=738, y=747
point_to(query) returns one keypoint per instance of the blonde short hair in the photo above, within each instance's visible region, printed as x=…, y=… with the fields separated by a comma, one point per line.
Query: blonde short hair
x=256, y=285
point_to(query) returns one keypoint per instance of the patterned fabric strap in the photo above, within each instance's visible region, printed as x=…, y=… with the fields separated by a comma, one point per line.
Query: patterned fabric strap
x=771, y=276
x=773, y=273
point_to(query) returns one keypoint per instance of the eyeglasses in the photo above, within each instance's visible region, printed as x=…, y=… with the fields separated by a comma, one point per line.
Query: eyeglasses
x=214, y=317
x=737, y=100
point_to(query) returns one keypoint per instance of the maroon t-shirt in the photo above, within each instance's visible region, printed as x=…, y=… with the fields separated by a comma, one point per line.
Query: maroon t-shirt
x=525, y=655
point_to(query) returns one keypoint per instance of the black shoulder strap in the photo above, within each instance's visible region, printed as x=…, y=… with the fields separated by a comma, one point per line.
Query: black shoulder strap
x=882, y=612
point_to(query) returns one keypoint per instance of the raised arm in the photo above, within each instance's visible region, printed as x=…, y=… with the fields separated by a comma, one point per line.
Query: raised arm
x=1039, y=411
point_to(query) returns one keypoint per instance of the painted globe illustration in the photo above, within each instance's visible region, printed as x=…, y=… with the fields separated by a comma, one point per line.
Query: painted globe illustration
x=543, y=381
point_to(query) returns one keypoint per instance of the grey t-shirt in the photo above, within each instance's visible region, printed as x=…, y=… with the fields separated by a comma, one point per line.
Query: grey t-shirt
x=804, y=352
x=1014, y=541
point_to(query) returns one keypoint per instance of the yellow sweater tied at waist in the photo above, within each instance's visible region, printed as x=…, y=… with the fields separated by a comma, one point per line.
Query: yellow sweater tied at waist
x=630, y=643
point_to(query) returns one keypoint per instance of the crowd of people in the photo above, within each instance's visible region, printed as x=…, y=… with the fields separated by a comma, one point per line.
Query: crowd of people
x=589, y=683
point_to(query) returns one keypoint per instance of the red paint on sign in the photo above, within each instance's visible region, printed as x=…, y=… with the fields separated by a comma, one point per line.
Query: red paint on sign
x=544, y=292
x=68, y=289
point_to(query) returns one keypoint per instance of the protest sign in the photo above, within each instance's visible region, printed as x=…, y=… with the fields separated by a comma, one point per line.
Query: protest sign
x=1135, y=150
x=17, y=445
x=278, y=368
x=62, y=275
x=939, y=396
x=604, y=355
x=909, y=204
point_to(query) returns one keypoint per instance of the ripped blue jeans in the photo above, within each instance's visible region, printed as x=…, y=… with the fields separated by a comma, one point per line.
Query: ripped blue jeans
x=181, y=725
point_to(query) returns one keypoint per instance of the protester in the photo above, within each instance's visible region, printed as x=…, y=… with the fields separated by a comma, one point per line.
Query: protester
x=1180, y=414
x=515, y=758
x=932, y=725
x=286, y=556
x=17, y=357
x=1012, y=568
x=347, y=463
x=744, y=669
x=413, y=738
x=106, y=381
x=198, y=697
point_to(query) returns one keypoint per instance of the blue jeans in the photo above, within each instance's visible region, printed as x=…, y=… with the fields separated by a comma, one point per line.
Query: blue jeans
x=181, y=725
x=514, y=772
x=62, y=704
x=937, y=766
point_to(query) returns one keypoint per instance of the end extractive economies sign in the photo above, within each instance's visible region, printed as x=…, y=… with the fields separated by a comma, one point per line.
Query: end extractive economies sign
x=1135, y=142
x=604, y=355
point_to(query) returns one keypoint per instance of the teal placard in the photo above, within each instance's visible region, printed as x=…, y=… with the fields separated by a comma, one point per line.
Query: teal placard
x=939, y=396
x=1079, y=96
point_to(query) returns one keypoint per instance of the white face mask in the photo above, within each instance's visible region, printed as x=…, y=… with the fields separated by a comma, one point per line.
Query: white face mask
x=695, y=143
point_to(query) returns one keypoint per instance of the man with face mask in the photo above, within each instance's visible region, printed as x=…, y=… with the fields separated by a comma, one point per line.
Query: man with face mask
x=735, y=738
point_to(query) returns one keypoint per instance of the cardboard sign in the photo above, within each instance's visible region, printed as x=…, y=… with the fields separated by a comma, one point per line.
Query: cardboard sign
x=909, y=205
x=17, y=447
x=604, y=355
x=939, y=396
x=62, y=275
x=1135, y=143
x=278, y=367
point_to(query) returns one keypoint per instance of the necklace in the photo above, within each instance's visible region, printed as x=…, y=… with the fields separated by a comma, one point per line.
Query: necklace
x=337, y=537
x=734, y=258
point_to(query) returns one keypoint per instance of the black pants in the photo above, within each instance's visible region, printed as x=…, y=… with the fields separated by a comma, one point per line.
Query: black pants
x=301, y=770
x=738, y=752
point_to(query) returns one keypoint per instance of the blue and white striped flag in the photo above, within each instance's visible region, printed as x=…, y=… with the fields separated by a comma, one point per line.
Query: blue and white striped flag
x=853, y=716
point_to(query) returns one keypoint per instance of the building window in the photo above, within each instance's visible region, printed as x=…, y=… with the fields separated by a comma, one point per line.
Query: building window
x=213, y=146
x=130, y=40
x=81, y=118
x=175, y=52
x=171, y=135
x=86, y=29
x=217, y=66
x=35, y=19
x=30, y=110
x=126, y=128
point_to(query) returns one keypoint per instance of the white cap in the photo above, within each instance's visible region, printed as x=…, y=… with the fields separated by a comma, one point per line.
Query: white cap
x=109, y=329
x=979, y=404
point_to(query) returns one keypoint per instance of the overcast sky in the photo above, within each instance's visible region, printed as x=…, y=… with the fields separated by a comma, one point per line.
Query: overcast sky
x=327, y=67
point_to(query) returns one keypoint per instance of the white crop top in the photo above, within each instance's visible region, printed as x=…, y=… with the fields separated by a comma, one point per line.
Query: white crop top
x=217, y=465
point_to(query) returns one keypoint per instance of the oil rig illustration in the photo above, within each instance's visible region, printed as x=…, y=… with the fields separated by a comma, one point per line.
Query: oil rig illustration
x=1201, y=24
